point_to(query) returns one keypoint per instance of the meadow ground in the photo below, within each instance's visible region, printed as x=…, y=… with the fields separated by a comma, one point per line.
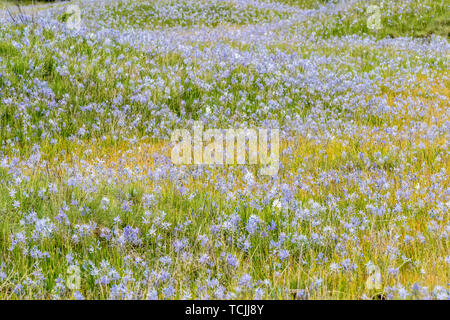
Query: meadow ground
x=92, y=206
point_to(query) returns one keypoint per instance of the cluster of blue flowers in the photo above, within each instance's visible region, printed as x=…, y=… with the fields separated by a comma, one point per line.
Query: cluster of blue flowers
x=86, y=178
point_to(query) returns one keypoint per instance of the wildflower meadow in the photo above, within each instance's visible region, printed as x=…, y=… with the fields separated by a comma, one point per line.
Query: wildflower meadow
x=224, y=149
